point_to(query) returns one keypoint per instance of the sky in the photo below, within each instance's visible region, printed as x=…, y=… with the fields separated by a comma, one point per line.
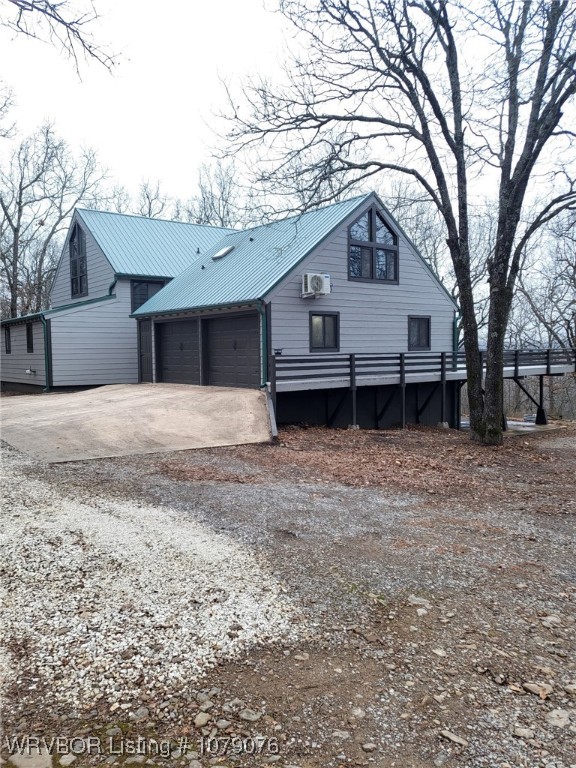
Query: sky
x=153, y=117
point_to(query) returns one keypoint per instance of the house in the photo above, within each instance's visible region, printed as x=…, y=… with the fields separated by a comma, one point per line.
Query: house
x=137, y=299
x=111, y=264
x=334, y=311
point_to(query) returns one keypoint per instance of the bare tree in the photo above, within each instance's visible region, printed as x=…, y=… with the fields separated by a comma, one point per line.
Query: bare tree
x=547, y=287
x=39, y=190
x=220, y=199
x=6, y=101
x=395, y=86
x=151, y=201
x=63, y=23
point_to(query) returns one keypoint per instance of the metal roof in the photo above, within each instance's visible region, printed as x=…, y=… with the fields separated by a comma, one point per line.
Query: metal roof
x=261, y=258
x=135, y=245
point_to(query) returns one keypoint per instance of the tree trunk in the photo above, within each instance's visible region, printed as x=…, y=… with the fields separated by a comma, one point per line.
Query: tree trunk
x=491, y=430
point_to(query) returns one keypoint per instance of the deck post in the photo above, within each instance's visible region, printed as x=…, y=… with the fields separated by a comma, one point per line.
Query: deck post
x=354, y=424
x=403, y=389
x=272, y=374
x=443, y=380
x=516, y=363
x=540, y=412
x=548, y=361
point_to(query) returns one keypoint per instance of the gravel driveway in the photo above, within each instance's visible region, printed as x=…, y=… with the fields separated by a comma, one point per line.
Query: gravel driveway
x=338, y=599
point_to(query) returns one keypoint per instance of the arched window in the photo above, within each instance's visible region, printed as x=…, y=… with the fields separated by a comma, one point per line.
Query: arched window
x=372, y=249
x=78, y=266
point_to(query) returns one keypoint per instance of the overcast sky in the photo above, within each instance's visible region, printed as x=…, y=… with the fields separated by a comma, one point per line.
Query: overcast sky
x=151, y=118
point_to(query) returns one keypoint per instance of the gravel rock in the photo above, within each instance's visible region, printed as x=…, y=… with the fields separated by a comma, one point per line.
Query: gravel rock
x=201, y=719
x=134, y=567
x=250, y=715
x=559, y=718
x=454, y=738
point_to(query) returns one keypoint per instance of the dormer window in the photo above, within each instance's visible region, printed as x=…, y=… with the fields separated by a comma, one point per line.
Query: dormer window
x=372, y=249
x=78, y=266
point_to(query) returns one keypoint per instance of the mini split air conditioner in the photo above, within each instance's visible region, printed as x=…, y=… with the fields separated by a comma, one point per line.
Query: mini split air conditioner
x=315, y=284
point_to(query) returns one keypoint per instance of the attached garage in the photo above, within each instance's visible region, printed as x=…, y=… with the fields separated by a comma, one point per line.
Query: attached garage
x=233, y=351
x=178, y=351
x=220, y=351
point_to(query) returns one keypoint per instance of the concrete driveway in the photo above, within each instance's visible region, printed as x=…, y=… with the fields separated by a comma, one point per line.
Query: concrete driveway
x=127, y=419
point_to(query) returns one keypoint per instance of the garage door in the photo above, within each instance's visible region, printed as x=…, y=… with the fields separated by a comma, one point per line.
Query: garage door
x=178, y=351
x=233, y=351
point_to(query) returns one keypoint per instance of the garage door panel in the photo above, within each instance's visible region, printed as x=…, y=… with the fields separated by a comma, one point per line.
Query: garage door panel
x=233, y=351
x=179, y=352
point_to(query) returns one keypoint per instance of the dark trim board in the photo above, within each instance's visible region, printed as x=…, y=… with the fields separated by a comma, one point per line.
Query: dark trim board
x=48, y=354
x=333, y=407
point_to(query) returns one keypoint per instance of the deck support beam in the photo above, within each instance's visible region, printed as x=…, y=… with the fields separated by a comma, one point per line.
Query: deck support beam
x=540, y=412
x=422, y=408
x=331, y=419
x=443, y=382
x=403, y=390
x=353, y=388
x=387, y=404
x=541, y=418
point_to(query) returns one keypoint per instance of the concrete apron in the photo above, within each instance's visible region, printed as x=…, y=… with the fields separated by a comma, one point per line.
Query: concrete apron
x=128, y=419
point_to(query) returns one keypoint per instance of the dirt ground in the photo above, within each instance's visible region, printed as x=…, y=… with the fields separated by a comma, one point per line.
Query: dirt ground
x=432, y=586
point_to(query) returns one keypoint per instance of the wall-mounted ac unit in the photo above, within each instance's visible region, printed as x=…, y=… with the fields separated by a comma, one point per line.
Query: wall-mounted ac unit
x=314, y=284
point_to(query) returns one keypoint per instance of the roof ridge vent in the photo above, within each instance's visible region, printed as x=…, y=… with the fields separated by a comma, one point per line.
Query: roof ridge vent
x=223, y=252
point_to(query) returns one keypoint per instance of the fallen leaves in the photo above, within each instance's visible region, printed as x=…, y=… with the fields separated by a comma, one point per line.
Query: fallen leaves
x=182, y=471
x=424, y=460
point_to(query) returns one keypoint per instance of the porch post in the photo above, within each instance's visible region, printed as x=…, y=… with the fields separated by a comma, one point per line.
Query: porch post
x=354, y=424
x=540, y=412
x=403, y=388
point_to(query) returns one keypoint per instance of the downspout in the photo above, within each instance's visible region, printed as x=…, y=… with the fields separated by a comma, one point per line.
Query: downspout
x=264, y=343
x=112, y=285
x=47, y=355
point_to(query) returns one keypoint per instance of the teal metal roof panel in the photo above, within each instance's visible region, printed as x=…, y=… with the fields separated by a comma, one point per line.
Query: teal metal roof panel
x=135, y=245
x=260, y=259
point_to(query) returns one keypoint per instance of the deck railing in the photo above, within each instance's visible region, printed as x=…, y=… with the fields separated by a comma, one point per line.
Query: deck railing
x=355, y=368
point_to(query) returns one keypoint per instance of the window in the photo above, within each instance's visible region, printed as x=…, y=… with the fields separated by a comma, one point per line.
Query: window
x=324, y=331
x=7, y=340
x=29, y=337
x=418, y=333
x=142, y=290
x=78, y=267
x=372, y=249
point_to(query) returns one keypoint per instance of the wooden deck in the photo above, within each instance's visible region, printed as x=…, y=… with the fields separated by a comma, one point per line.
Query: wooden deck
x=333, y=371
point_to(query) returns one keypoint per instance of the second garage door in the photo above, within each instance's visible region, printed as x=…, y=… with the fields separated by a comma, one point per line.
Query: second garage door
x=178, y=351
x=233, y=351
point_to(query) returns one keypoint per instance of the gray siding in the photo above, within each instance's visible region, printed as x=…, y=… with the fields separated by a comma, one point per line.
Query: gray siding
x=96, y=344
x=373, y=316
x=100, y=272
x=15, y=365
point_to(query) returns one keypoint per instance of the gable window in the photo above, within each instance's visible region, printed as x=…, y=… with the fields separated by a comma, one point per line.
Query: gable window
x=372, y=249
x=418, y=333
x=7, y=340
x=142, y=290
x=324, y=331
x=29, y=337
x=78, y=266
